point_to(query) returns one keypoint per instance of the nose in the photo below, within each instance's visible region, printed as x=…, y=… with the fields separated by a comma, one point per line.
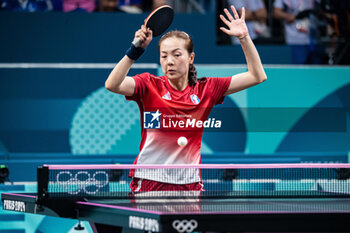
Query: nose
x=170, y=60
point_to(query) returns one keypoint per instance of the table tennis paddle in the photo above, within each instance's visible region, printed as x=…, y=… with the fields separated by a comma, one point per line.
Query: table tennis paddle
x=158, y=21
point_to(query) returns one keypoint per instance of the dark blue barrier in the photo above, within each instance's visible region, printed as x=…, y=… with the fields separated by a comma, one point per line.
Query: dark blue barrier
x=104, y=37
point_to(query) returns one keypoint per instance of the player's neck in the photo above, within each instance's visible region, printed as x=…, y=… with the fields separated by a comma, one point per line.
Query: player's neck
x=179, y=84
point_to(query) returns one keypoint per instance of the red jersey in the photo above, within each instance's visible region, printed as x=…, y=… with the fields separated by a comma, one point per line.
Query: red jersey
x=167, y=114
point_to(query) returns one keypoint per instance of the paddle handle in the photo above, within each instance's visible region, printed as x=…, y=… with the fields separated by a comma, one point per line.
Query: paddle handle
x=137, y=42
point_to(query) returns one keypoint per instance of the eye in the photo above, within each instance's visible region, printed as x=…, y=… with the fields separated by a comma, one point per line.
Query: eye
x=177, y=55
x=163, y=57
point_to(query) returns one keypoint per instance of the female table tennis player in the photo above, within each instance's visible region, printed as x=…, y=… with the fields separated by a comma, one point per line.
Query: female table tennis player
x=176, y=96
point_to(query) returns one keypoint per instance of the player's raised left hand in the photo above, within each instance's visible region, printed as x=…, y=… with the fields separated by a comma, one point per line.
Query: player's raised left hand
x=236, y=25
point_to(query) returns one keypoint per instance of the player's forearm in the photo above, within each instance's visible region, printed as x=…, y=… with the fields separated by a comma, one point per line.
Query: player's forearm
x=249, y=15
x=118, y=74
x=255, y=66
x=280, y=14
x=261, y=15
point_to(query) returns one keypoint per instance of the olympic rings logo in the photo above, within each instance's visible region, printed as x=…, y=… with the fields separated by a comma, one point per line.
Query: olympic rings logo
x=82, y=181
x=185, y=225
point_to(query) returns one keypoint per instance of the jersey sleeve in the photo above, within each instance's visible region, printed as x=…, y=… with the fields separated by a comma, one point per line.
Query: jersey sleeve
x=239, y=4
x=219, y=86
x=141, y=83
x=255, y=5
x=278, y=4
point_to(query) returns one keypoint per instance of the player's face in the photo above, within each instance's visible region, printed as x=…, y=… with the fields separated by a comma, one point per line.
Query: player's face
x=174, y=58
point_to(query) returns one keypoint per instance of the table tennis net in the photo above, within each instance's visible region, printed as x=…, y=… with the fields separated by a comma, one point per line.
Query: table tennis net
x=226, y=181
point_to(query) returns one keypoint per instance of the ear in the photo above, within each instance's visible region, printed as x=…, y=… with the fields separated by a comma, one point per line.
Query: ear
x=191, y=58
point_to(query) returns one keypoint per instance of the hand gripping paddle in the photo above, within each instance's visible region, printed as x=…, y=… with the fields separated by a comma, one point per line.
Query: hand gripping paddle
x=158, y=21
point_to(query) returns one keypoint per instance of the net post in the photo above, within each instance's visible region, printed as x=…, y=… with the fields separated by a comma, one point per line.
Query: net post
x=43, y=182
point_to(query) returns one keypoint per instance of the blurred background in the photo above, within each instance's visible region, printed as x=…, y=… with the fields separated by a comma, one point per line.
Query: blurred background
x=55, y=56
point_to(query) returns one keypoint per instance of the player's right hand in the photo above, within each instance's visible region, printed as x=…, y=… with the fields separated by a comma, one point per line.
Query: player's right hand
x=145, y=35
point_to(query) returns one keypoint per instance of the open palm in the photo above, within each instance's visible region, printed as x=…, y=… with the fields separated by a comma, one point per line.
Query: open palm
x=236, y=25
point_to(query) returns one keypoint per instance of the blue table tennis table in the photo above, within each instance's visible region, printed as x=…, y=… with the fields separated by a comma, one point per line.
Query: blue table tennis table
x=237, y=198
x=194, y=214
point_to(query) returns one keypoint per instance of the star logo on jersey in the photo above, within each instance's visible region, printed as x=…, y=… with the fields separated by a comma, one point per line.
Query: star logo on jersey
x=151, y=120
x=195, y=99
x=167, y=96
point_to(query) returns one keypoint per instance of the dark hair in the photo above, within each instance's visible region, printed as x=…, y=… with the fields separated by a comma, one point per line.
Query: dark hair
x=192, y=71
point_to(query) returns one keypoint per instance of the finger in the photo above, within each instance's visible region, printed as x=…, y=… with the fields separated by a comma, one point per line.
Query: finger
x=142, y=38
x=234, y=12
x=150, y=33
x=139, y=31
x=224, y=30
x=224, y=20
x=229, y=16
x=144, y=29
x=143, y=35
x=243, y=13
